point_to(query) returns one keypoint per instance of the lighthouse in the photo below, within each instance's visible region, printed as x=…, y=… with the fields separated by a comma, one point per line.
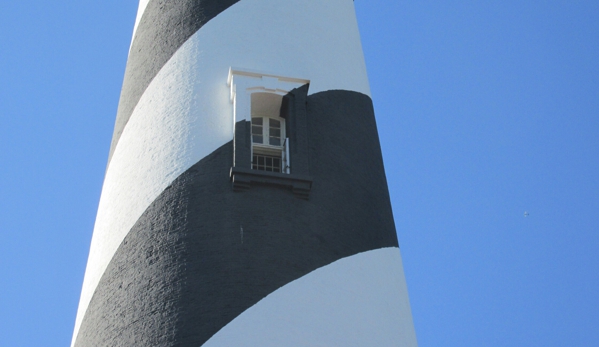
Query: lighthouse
x=245, y=201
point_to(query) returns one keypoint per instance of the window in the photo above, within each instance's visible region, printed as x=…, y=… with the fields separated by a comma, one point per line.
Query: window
x=269, y=118
x=270, y=146
x=267, y=152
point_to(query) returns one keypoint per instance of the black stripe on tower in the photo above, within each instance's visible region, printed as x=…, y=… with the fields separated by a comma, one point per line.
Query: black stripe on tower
x=186, y=269
x=163, y=28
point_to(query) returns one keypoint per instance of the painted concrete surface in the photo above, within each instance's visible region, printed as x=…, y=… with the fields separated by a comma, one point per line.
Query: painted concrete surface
x=185, y=114
x=182, y=117
x=202, y=254
x=316, y=40
x=164, y=27
x=312, y=39
x=343, y=203
x=357, y=301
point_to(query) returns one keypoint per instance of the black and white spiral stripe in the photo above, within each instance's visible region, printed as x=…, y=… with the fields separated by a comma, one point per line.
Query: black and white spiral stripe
x=178, y=258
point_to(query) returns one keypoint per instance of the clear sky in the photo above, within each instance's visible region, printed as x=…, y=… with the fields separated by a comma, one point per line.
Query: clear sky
x=486, y=110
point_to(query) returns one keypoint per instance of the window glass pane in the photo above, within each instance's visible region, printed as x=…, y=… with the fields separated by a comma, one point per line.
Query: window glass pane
x=257, y=134
x=266, y=163
x=276, y=163
x=274, y=132
x=257, y=139
x=257, y=130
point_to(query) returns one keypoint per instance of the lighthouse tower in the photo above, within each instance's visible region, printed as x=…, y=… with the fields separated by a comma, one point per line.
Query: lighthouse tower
x=245, y=201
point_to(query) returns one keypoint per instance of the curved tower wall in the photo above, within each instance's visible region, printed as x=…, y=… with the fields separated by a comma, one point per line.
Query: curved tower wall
x=191, y=246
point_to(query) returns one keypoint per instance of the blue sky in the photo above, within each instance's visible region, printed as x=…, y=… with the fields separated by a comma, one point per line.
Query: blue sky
x=485, y=110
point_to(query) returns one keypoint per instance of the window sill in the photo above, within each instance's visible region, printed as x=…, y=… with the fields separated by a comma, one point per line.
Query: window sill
x=243, y=179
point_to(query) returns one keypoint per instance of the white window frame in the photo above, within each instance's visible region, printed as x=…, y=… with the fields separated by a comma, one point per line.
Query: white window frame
x=266, y=133
x=268, y=149
x=243, y=83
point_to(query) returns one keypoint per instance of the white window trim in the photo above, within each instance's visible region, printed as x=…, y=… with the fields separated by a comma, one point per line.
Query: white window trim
x=243, y=83
x=281, y=151
x=266, y=132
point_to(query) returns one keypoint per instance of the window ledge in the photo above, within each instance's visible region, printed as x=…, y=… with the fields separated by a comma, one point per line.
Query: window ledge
x=243, y=178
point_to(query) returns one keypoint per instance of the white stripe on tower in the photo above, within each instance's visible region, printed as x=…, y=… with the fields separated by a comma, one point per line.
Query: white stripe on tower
x=185, y=114
x=357, y=301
